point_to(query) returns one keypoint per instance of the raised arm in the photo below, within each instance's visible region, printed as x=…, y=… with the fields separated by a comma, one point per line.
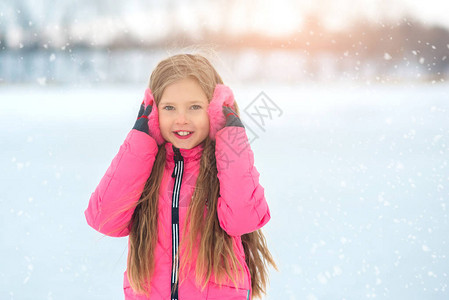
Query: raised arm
x=242, y=207
x=112, y=204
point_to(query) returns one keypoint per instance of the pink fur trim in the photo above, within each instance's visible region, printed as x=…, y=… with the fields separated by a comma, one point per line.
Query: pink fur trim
x=222, y=95
x=153, y=119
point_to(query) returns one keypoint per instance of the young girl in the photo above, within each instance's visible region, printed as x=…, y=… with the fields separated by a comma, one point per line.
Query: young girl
x=184, y=187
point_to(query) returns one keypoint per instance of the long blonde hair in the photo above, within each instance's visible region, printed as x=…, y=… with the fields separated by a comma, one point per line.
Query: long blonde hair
x=216, y=253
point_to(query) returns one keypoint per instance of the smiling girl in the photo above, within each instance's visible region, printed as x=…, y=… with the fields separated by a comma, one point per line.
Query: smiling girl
x=184, y=187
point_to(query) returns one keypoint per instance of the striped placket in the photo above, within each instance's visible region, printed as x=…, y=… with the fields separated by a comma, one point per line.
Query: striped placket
x=177, y=174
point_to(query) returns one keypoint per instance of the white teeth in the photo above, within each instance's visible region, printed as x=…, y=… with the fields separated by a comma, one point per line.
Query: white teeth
x=183, y=132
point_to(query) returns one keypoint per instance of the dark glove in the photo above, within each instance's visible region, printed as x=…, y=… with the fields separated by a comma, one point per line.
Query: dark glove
x=142, y=118
x=231, y=117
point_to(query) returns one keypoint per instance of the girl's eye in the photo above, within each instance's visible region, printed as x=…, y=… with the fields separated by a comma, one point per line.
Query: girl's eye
x=169, y=107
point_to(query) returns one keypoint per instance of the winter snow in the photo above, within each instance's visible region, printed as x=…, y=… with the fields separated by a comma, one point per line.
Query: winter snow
x=356, y=177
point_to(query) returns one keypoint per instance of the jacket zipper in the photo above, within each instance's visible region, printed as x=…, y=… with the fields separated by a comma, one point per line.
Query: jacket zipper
x=177, y=174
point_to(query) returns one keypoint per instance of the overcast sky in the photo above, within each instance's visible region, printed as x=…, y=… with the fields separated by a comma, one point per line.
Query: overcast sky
x=283, y=15
x=99, y=20
x=430, y=10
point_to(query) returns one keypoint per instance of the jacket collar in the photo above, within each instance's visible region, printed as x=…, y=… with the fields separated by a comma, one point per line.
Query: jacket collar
x=193, y=154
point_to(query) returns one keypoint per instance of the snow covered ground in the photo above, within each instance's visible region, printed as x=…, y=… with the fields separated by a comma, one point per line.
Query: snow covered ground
x=356, y=177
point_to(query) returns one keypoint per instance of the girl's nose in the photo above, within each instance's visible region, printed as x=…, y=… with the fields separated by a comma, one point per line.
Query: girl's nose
x=181, y=118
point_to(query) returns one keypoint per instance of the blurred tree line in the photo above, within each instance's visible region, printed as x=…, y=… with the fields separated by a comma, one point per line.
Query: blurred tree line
x=387, y=46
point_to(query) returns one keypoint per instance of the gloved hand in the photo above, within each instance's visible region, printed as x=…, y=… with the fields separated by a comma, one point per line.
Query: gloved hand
x=142, y=118
x=232, y=119
x=148, y=118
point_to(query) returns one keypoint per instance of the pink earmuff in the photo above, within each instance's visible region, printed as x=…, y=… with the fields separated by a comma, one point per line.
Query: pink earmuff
x=222, y=96
x=153, y=118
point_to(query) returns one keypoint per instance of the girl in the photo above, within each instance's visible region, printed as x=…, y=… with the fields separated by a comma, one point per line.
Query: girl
x=183, y=186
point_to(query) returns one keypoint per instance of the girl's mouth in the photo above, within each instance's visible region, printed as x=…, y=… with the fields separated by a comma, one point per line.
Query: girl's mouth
x=183, y=134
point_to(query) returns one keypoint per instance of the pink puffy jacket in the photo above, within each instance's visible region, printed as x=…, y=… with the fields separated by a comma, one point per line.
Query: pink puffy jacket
x=242, y=207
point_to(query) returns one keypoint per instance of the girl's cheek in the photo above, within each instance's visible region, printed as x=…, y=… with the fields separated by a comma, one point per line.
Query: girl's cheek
x=163, y=120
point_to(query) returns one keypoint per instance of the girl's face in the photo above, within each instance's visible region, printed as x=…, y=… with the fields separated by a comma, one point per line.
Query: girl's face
x=183, y=109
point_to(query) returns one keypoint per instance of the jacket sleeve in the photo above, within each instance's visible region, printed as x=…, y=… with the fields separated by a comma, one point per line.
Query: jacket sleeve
x=112, y=204
x=242, y=207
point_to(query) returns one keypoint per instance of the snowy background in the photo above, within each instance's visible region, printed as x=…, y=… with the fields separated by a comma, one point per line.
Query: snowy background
x=356, y=178
x=354, y=161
